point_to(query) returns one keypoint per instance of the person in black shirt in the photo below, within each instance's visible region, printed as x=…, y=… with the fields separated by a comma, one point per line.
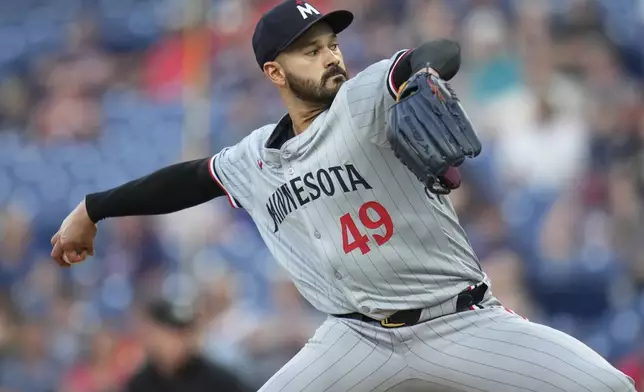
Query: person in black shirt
x=168, y=333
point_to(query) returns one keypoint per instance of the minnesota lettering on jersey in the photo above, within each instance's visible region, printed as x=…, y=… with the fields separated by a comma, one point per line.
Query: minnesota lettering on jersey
x=302, y=190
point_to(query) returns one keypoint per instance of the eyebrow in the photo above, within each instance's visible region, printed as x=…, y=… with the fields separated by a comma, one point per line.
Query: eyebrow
x=315, y=41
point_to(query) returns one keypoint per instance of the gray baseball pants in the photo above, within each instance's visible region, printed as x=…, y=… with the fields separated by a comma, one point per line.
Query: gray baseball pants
x=488, y=350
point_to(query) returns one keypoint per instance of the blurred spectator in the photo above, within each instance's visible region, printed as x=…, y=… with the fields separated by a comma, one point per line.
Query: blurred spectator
x=432, y=19
x=559, y=238
x=15, y=238
x=35, y=294
x=32, y=369
x=136, y=250
x=269, y=345
x=229, y=322
x=490, y=231
x=99, y=372
x=14, y=103
x=506, y=268
x=65, y=341
x=72, y=84
x=8, y=328
x=169, y=334
x=624, y=187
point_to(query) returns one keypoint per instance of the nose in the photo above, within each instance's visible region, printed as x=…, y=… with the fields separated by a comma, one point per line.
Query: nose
x=331, y=58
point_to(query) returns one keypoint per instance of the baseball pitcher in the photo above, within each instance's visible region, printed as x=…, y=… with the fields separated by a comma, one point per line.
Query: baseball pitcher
x=348, y=192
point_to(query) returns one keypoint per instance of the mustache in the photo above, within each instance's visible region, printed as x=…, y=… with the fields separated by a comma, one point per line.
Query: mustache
x=334, y=71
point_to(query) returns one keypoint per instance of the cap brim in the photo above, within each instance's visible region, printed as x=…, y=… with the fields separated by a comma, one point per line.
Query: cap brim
x=337, y=20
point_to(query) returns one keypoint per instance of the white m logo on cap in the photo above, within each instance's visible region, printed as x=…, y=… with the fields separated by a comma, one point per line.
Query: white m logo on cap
x=306, y=10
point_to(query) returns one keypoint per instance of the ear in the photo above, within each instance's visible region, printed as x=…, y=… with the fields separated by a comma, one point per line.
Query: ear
x=275, y=73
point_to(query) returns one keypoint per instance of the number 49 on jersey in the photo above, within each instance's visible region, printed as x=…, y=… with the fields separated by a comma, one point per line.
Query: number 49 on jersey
x=352, y=237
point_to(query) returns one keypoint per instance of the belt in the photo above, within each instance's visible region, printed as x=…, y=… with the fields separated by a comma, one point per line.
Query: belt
x=466, y=300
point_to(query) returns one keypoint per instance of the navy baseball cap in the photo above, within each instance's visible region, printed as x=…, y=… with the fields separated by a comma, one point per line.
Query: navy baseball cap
x=171, y=315
x=286, y=22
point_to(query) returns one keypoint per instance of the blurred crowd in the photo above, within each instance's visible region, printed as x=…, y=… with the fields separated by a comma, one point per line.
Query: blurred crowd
x=92, y=95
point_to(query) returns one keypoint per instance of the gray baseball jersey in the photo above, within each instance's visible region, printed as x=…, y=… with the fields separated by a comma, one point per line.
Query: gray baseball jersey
x=357, y=232
x=353, y=227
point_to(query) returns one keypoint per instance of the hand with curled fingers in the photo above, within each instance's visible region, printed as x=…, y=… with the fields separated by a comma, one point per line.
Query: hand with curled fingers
x=74, y=240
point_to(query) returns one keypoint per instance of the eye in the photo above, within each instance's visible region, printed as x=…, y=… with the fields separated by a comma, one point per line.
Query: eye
x=312, y=53
x=334, y=47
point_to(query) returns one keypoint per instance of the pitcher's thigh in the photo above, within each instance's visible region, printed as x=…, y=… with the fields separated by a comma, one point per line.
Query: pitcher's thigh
x=340, y=359
x=493, y=350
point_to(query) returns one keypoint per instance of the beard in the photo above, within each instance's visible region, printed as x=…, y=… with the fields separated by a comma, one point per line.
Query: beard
x=317, y=92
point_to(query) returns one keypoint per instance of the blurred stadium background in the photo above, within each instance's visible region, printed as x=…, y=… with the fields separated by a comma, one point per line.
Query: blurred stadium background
x=95, y=93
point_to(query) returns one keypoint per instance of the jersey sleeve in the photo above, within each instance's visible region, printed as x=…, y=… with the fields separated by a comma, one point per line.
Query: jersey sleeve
x=370, y=94
x=230, y=169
